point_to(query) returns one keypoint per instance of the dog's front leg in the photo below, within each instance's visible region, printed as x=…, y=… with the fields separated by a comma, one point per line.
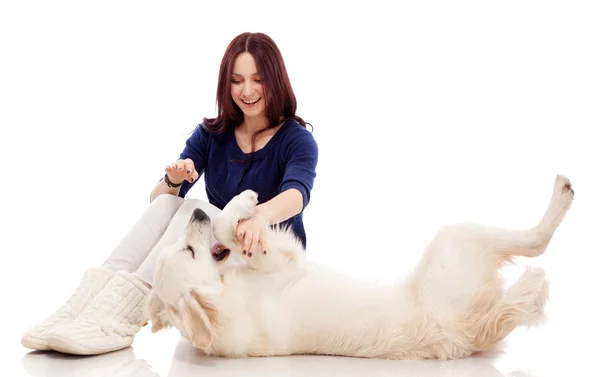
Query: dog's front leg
x=283, y=250
x=225, y=223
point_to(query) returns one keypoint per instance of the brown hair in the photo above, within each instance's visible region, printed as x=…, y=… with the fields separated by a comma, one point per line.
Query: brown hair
x=277, y=89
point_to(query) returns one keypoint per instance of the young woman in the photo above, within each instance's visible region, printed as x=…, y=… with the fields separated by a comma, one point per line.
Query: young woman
x=256, y=142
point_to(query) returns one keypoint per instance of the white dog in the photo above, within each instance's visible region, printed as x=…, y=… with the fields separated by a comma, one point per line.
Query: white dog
x=451, y=306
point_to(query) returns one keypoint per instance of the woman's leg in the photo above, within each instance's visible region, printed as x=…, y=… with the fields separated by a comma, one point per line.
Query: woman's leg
x=113, y=318
x=127, y=256
x=141, y=239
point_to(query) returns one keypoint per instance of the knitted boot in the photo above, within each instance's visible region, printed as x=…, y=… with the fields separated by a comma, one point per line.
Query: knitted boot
x=92, y=282
x=109, y=323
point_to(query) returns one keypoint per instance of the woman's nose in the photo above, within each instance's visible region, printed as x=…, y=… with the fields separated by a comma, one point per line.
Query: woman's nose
x=247, y=88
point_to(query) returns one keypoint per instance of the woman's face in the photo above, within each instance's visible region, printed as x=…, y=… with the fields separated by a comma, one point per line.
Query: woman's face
x=246, y=86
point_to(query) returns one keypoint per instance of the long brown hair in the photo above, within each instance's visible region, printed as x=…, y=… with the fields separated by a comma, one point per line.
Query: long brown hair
x=279, y=95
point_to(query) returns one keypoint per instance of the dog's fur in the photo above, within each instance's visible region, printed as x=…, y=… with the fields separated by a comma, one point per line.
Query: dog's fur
x=451, y=306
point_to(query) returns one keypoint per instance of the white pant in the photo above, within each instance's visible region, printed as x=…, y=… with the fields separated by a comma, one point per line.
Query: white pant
x=161, y=224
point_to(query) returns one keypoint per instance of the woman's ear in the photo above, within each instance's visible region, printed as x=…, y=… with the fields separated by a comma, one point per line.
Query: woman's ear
x=155, y=310
x=199, y=317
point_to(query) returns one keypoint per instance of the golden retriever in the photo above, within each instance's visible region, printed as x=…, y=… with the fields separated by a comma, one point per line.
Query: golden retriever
x=279, y=303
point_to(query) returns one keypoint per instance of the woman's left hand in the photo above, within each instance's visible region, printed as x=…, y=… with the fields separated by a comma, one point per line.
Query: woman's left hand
x=251, y=233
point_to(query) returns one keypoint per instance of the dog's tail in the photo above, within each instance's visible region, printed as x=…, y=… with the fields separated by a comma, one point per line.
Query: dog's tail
x=487, y=323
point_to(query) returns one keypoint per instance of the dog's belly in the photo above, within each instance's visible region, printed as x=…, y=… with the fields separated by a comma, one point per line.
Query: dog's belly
x=324, y=312
x=318, y=311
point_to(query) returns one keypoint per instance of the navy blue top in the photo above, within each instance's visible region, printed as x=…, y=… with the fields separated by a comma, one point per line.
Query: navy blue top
x=288, y=160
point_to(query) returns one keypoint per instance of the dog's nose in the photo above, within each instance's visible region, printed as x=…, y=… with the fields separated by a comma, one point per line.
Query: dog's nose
x=199, y=215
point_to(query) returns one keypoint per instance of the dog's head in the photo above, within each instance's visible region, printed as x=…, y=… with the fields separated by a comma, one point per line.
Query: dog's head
x=187, y=284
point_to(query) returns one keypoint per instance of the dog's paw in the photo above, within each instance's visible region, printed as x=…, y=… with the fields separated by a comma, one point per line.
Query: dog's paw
x=534, y=295
x=242, y=205
x=563, y=193
x=246, y=200
x=562, y=185
x=225, y=222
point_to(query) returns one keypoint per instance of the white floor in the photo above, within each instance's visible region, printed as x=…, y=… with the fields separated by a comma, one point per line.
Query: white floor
x=528, y=353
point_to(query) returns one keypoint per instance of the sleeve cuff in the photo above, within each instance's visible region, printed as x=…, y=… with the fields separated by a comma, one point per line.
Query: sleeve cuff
x=299, y=187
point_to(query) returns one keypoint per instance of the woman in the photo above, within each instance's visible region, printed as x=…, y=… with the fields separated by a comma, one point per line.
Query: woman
x=256, y=142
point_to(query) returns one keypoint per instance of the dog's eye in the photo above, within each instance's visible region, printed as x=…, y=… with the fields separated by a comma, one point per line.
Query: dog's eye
x=191, y=250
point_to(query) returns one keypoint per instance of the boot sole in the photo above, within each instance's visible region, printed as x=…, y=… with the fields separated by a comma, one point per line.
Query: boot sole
x=65, y=346
x=35, y=343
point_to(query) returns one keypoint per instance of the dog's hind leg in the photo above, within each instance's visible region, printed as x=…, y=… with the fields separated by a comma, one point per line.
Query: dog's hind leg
x=464, y=258
x=522, y=305
x=490, y=315
x=533, y=242
x=500, y=244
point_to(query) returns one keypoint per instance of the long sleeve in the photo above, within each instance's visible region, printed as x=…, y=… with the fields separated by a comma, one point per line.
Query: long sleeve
x=196, y=149
x=301, y=157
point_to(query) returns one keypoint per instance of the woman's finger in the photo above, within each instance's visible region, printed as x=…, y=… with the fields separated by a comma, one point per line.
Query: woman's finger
x=239, y=231
x=180, y=166
x=252, y=246
x=263, y=244
x=246, y=246
x=194, y=176
x=188, y=167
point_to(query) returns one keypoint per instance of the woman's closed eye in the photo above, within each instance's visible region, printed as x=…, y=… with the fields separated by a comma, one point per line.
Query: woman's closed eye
x=236, y=82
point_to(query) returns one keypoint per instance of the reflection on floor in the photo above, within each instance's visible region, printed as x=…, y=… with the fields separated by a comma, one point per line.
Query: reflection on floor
x=188, y=362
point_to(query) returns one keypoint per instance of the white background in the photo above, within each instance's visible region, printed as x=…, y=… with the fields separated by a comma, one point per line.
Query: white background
x=425, y=113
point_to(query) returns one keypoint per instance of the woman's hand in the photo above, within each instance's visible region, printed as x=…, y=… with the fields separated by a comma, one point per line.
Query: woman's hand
x=182, y=170
x=252, y=232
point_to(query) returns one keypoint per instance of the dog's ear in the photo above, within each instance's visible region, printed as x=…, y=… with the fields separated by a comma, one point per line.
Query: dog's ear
x=199, y=316
x=155, y=310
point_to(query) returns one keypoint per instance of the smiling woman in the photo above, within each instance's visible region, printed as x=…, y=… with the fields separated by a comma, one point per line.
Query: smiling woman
x=246, y=86
x=254, y=76
x=256, y=142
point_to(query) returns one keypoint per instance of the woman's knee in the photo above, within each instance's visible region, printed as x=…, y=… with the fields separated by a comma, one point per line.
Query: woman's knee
x=167, y=200
x=190, y=204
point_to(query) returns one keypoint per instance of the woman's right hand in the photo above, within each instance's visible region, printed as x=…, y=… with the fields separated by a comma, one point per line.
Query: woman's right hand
x=182, y=170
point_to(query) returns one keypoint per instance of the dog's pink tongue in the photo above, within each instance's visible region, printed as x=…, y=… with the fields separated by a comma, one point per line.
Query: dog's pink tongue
x=219, y=252
x=217, y=249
